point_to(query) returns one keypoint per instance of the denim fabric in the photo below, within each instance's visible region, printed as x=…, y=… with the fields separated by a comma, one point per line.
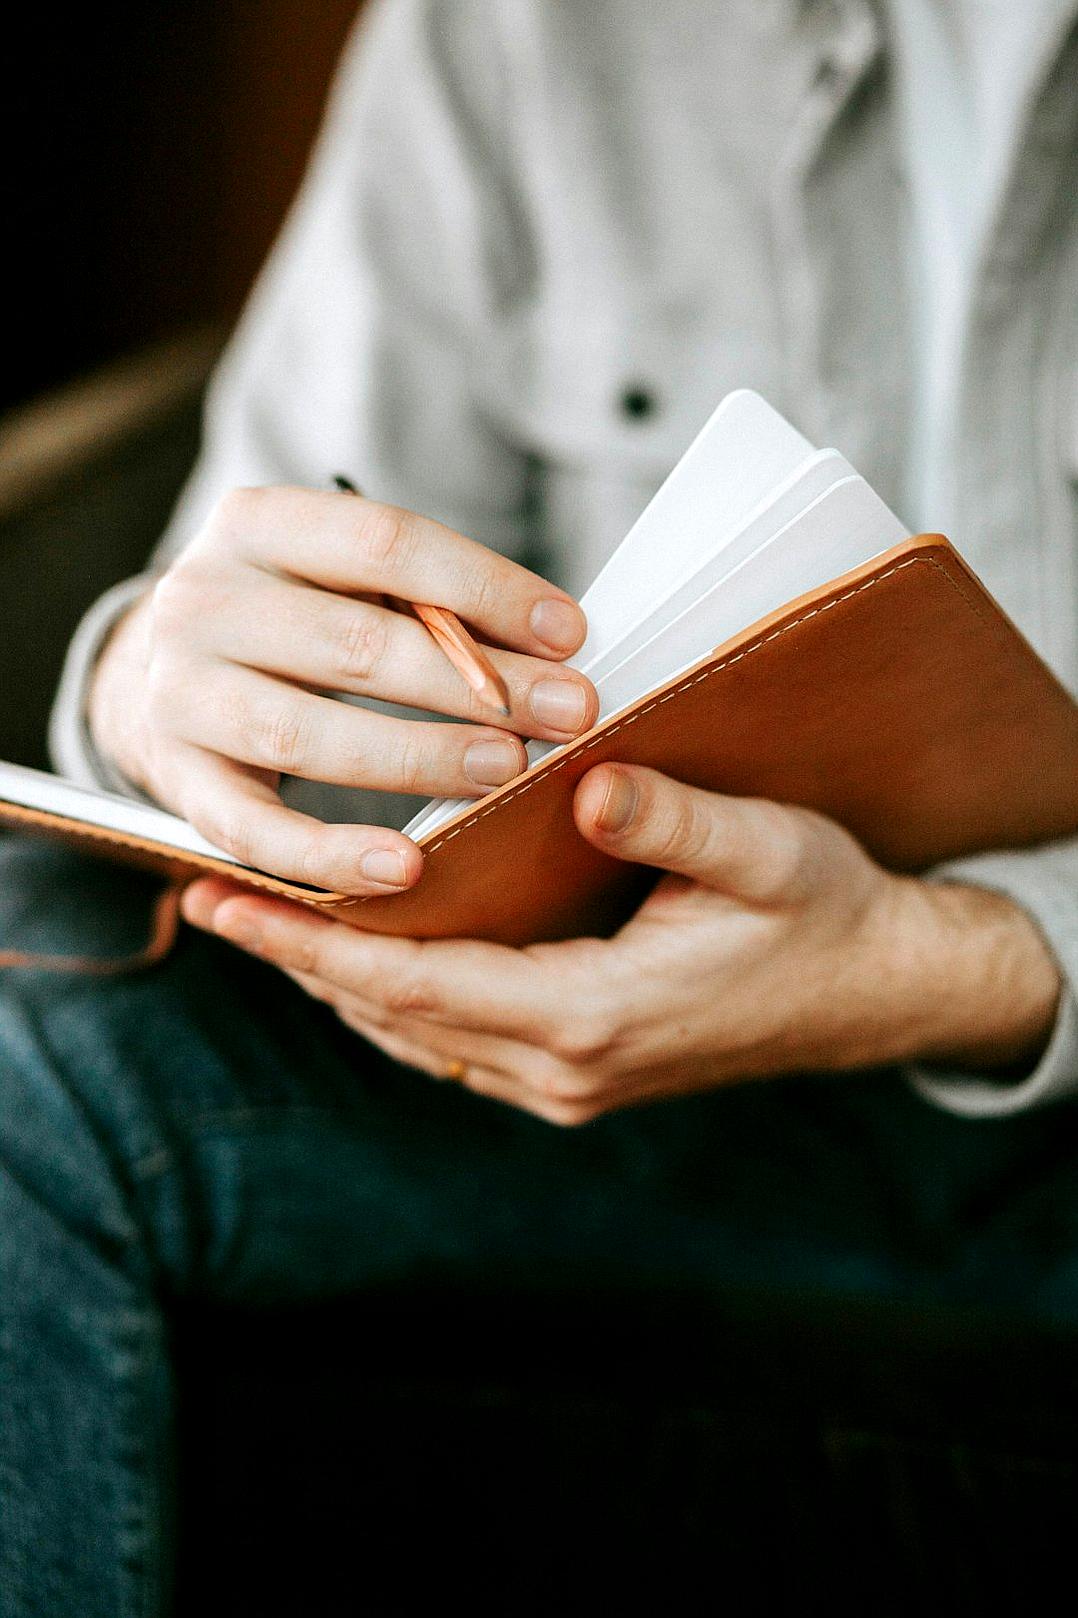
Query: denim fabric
x=204, y=1131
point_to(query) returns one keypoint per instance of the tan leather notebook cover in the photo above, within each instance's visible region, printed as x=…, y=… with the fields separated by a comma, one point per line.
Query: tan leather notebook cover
x=899, y=699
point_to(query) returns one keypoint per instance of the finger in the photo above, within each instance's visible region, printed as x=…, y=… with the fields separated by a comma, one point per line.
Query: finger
x=459, y=982
x=260, y=720
x=447, y=1047
x=314, y=987
x=746, y=847
x=484, y=1081
x=524, y=1064
x=245, y=817
x=201, y=897
x=337, y=643
x=349, y=544
x=408, y=1051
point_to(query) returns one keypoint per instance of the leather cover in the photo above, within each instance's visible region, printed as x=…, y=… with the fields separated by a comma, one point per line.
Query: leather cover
x=897, y=699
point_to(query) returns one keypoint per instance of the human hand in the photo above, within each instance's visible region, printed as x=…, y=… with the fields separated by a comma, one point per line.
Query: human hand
x=213, y=686
x=774, y=945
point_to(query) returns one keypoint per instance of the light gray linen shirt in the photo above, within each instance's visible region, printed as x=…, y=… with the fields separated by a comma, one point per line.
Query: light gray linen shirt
x=539, y=240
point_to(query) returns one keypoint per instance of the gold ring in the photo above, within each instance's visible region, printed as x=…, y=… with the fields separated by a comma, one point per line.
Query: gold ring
x=456, y=1069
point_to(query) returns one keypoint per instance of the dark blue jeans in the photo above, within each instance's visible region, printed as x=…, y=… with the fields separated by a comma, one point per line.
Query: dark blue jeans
x=205, y=1131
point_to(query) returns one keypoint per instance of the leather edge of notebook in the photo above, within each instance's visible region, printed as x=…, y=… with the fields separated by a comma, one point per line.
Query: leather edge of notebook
x=930, y=549
x=171, y=860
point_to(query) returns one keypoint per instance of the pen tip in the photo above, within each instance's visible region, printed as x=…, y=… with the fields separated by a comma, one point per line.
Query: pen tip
x=503, y=709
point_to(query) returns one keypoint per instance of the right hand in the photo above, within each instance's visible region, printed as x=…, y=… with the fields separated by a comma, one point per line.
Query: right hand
x=213, y=685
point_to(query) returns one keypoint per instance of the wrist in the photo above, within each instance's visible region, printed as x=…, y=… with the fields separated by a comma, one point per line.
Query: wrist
x=982, y=985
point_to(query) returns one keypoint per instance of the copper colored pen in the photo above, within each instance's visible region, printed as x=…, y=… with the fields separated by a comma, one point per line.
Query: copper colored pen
x=450, y=636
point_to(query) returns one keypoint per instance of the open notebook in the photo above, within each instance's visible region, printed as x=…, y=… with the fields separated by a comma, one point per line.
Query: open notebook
x=767, y=625
x=750, y=517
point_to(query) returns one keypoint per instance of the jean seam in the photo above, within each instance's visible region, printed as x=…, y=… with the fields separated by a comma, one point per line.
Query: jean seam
x=131, y=1551
x=140, y=1588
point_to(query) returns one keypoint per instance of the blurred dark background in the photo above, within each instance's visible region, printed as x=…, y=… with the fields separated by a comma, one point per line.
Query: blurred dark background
x=149, y=157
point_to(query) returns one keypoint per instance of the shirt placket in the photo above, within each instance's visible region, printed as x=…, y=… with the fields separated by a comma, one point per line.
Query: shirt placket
x=1016, y=512
x=837, y=207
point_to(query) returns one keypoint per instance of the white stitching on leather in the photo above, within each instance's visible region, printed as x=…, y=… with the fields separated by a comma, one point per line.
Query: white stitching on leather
x=696, y=679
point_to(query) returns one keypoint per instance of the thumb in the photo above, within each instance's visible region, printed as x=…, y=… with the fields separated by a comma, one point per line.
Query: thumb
x=741, y=846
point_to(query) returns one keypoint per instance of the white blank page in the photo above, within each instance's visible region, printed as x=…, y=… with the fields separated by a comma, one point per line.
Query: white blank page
x=34, y=789
x=847, y=525
x=841, y=529
x=812, y=478
x=742, y=453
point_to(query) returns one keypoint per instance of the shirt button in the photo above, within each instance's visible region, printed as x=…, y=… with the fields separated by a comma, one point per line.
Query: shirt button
x=637, y=402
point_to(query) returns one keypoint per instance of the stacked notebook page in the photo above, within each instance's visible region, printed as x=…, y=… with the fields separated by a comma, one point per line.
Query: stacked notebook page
x=751, y=516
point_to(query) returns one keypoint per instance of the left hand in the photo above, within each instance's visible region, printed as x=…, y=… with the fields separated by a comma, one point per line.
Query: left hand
x=775, y=945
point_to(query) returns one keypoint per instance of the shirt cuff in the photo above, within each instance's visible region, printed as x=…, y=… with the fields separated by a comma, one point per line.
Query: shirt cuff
x=71, y=744
x=1053, y=1079
x=1044, y=882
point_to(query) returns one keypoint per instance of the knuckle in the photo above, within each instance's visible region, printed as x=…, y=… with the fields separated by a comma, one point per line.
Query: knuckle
x=281, y=739
x=161, y=683
x=360, y=645
x=548, y=1084
x=228, y=827
x=412, y=997
x=236, y=512
x=376, y=1017
x=388, y=536
x=788, y=859
x=584, y=1039
x=693, y=832
x=557, y=1082
x=790, y=844
x=350, y=1015
x=312, y=986
x=485, y=591
x=176, y=599
x=697, y=835
x=174, y=695
x=364, y=1014
x=569, y=1114
x=149, y=765
x=304, y=956
x=675, y=830
x=310, y=862
x=411, y=763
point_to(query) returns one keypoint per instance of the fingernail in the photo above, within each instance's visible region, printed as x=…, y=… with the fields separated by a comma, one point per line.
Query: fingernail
x=619, y=805
x=558, y=624
x=559, y=705
x=491, y=764
x=385, y=866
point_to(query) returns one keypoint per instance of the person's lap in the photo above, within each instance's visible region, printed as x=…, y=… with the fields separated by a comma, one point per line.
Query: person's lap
x=261, y=1151
x=205, y=1131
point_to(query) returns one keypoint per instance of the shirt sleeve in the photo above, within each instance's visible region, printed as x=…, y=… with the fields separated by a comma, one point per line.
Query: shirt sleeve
x=1044, y=881
x=362, y=348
